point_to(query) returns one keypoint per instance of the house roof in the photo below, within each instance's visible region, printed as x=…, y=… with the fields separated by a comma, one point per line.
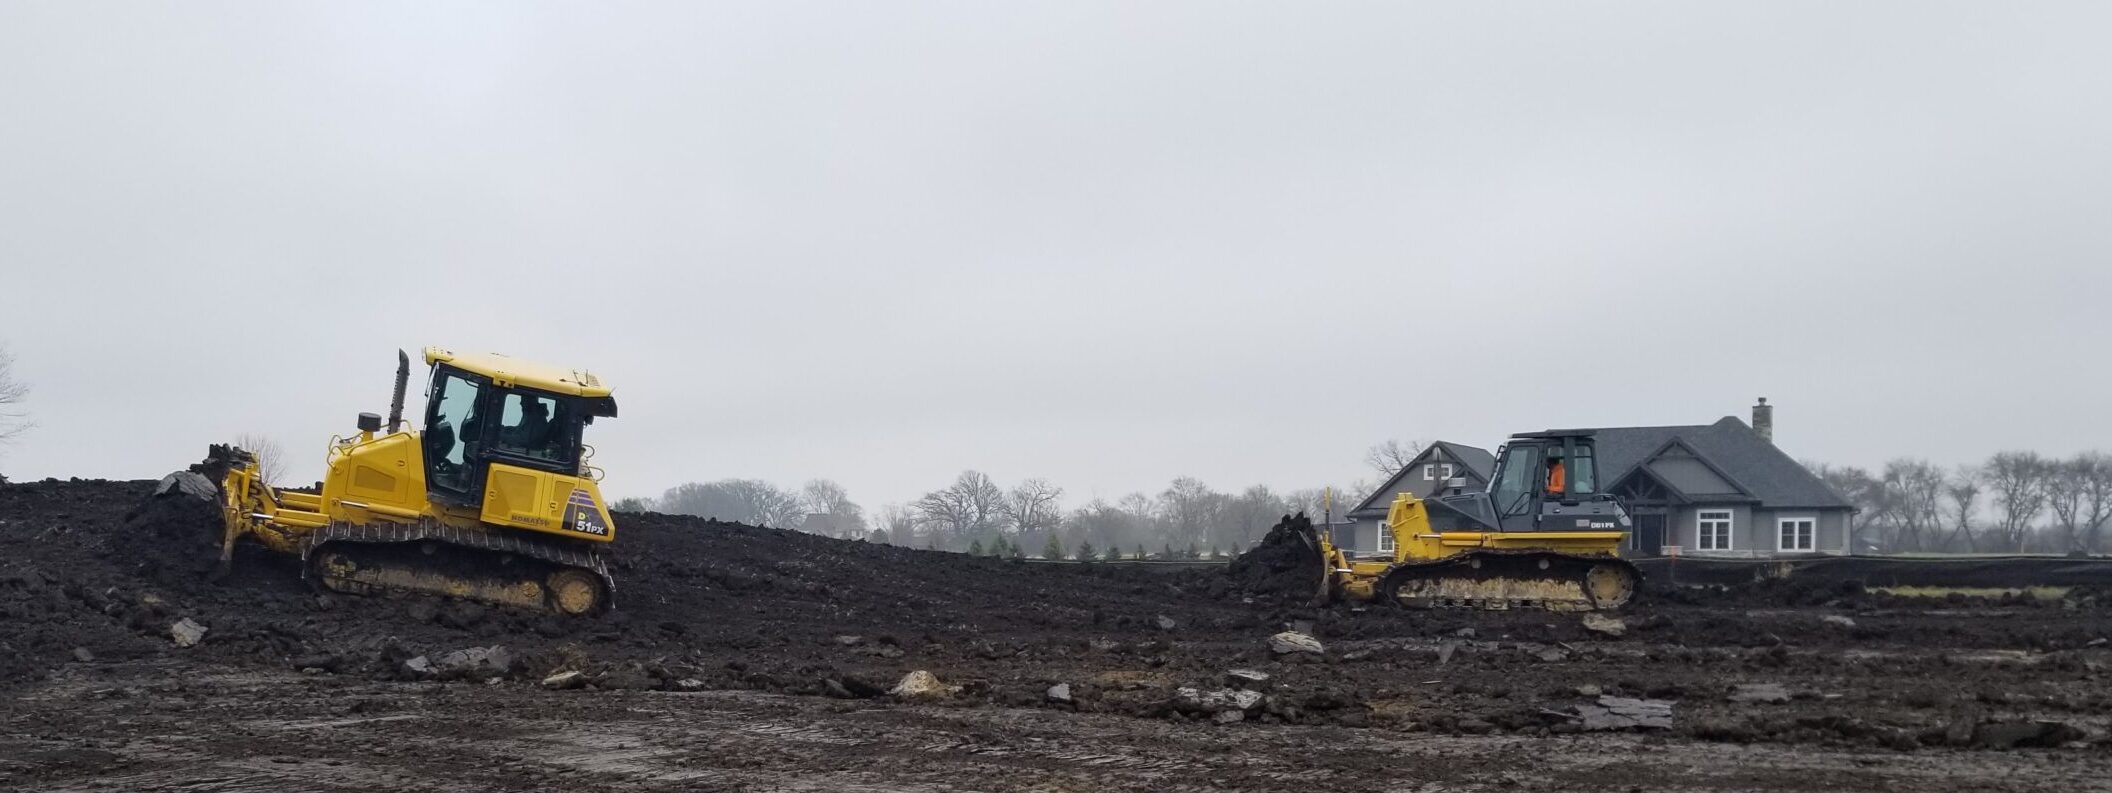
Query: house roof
x=1477, y=461
x=1749, y=461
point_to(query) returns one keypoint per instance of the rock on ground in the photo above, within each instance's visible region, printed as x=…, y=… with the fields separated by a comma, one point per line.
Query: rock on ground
x=1290, y=642
x=187, y=633
x=1773, y=693
x=1602, y=624
x=565, y=680
x=1622, y=713
x=1188, y=699
x=919, y=684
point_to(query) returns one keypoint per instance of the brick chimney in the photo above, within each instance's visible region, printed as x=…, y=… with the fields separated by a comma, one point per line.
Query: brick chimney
x=1764, y=420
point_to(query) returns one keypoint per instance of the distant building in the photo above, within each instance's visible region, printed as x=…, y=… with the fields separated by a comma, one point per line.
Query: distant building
x=1428, y=473
x=1720, y=489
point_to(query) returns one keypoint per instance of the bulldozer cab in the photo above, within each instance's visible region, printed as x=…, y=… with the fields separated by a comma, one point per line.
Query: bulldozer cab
x=487, y=409
x=1548, y=481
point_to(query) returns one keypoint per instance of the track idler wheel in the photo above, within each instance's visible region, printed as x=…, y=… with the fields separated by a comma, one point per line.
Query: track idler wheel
x=1609, y=586
x=575, y=592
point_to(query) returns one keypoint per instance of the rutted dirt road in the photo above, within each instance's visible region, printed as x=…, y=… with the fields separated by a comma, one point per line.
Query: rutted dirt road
x=140, y=730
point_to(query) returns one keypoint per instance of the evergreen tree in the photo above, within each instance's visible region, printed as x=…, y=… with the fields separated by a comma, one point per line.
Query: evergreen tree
x=1054, y=548
x=1193, y=552
x=1166, y=552
x=1086, y=553
x=1018, y=552
x=975, y=548
x=1114, y=553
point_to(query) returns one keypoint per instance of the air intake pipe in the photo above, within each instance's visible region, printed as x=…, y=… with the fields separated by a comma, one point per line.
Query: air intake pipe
x=403, y=378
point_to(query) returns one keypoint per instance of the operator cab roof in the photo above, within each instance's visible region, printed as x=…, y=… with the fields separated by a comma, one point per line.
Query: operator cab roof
x=506, y=371
x=1555, y=434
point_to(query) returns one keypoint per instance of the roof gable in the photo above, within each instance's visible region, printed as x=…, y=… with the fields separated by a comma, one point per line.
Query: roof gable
x=1731, y=450
x=1477, y=462
x=1690, y=472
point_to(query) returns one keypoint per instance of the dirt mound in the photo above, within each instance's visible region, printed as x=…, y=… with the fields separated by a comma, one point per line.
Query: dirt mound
x=1284, y=568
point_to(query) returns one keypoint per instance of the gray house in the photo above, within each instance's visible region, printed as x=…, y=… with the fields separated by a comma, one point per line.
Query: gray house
x=1427, y=474
x=1719, y=490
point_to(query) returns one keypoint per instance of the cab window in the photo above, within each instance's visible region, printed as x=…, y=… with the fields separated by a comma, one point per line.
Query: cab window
x=1583, y=476
x=1521, y=473
x=536, y=426
x=450, y=428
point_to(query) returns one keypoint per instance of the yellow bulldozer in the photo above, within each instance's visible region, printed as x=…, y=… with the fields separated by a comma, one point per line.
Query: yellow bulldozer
x=495, y=501
x=1540, y=536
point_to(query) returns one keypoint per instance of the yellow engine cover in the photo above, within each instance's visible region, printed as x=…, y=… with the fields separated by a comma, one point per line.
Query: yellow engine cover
x=541, y=501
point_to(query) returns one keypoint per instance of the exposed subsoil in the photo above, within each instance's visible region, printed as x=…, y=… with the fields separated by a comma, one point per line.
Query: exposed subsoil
x=778, y=632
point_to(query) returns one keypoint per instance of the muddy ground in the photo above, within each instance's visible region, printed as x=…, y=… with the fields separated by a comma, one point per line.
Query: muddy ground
x=744, y=658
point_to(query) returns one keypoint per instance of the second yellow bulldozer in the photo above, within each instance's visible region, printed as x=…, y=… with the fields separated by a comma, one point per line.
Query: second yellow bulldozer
x=1541, y=536
x=494, y=501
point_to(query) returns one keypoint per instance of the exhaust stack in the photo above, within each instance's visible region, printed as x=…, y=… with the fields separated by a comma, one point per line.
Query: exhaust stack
x=403, y=378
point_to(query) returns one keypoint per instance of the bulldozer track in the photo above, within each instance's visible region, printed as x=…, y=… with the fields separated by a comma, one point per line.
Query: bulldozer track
x=1513, y=580
x=559, y=557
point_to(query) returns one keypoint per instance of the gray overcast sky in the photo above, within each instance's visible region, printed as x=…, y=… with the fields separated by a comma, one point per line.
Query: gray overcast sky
x=1106, y=244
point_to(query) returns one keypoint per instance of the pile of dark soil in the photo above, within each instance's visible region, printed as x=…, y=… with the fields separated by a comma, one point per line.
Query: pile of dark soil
x=1285, y=568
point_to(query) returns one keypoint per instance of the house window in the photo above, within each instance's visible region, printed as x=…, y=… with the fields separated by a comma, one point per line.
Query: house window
x=1385, y=538
x=1796, y=534
x=1449, y=472
x=1430, y=472
x=1712, y=530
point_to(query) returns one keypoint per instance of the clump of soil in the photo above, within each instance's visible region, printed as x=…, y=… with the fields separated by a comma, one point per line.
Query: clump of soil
x=1285, y=567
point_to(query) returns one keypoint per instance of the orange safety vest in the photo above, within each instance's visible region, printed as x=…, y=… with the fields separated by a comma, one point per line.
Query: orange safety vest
x=1556, y=480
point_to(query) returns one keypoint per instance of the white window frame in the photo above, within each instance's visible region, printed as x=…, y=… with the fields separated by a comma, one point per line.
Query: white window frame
x=1429, y=472
x=1811, y=540
x=1703, y=518
x=1385, y=544
x=1450, y=472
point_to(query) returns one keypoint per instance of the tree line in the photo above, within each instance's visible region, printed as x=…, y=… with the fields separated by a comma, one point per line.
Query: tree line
x=2021, y=502
x=976, y=514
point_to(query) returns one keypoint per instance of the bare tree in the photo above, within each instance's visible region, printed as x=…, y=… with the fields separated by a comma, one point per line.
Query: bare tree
x=1104, y=525
x=1963, y=493
x=2095, y=468
x=1032, y=506
x=1190, y=508
x=897, y=525
x=824, y=497
x=271, y=464
x=1249, y=515
x=1878, y=505
x=1392, y=455
x=2065, y=483
x=2079, y=491
x=750, y=501
x=13, y=420
x=970, y=507
x=1916, y=493
x=2018, y=481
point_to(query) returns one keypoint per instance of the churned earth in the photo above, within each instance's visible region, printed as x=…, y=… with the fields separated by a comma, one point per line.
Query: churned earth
x=741, y=658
